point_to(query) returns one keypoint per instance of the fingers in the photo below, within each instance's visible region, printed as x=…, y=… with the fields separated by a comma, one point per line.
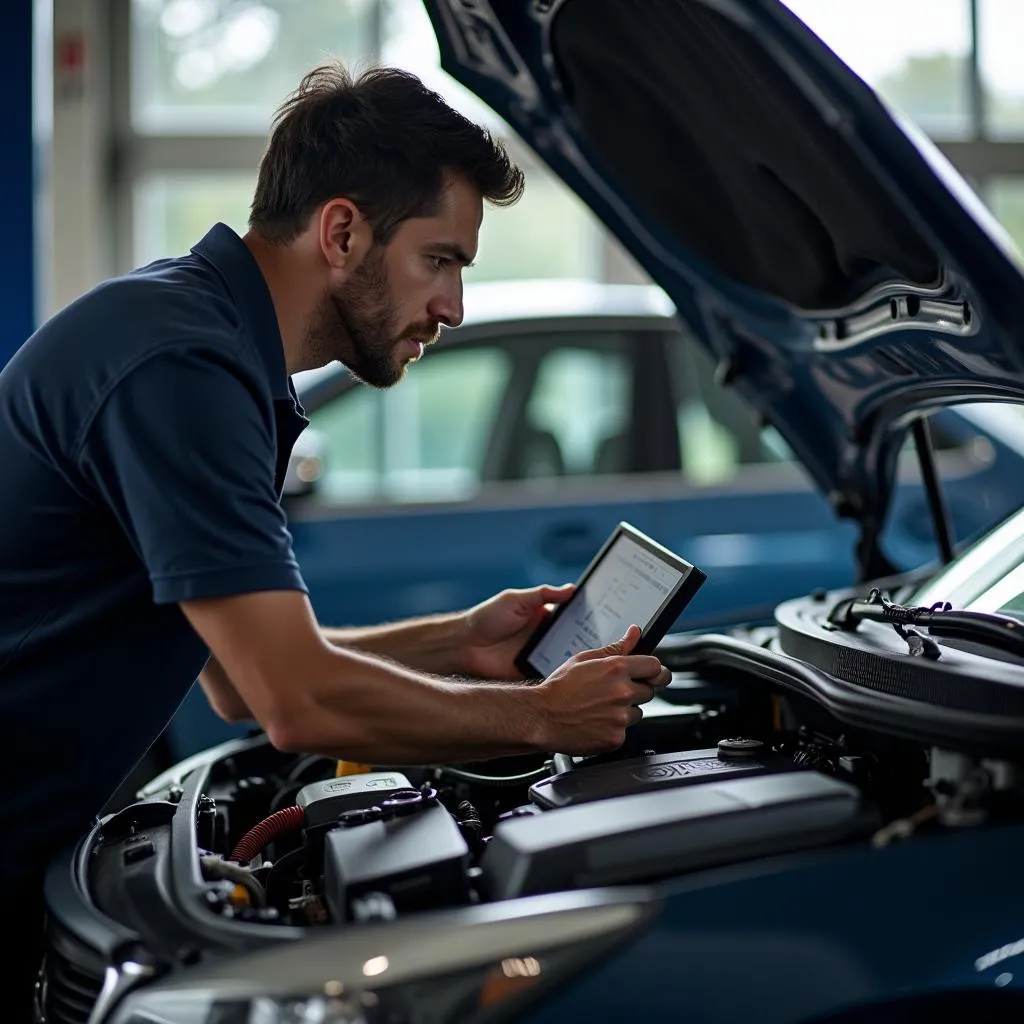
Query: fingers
x=643, y=693
x=547, y=594
x=622, y=646
x=646, y=667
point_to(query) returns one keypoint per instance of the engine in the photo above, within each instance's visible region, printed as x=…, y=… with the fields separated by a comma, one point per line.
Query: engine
x=380, y=844
x=735, y=764
x=291, y=841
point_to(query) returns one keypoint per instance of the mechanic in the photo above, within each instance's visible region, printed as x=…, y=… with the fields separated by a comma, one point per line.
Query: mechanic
x=145, y=432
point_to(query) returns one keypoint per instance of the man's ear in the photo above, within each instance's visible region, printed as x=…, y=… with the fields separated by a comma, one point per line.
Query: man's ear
x=345, y=234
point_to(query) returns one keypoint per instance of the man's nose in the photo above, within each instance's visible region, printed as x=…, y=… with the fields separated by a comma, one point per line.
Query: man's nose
x=446, y=307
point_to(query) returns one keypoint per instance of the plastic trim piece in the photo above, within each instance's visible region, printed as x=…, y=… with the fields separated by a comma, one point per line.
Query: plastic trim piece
x=854, y=704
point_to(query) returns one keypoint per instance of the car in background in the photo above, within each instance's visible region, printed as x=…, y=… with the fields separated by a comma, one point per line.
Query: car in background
x=509, y=453
x=559, y=408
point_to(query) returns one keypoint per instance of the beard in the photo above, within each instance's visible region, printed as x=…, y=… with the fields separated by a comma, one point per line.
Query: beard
x=358, y=325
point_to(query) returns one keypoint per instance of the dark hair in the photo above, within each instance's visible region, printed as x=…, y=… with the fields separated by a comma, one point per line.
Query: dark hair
x=383, y=140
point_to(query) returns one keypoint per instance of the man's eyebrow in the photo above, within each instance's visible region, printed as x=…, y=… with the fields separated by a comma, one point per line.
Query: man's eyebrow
x=455, y=252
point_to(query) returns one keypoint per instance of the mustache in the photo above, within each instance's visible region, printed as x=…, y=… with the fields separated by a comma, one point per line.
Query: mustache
x=427, y=331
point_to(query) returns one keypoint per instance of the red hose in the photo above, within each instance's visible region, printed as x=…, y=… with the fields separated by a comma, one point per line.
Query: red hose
x=285, y=820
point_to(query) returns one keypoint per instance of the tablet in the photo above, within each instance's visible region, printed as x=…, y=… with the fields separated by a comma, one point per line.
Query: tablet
x=632, y=580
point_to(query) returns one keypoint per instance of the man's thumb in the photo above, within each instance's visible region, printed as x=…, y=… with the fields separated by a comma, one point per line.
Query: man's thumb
x=621, y=646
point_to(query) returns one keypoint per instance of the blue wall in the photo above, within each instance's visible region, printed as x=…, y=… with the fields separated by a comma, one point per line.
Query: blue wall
x=17, y=181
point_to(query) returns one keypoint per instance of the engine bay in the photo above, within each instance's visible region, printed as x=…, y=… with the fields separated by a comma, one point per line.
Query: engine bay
x=290, y=841
x=749, y=756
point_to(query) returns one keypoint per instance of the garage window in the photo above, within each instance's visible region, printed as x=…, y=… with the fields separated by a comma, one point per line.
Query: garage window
x=198, y=92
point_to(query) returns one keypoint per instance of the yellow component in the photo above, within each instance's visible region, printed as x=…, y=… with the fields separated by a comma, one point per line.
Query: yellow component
x=239, y=897
x=352, y=768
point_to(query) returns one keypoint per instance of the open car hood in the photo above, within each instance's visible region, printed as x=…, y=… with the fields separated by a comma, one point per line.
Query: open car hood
x=842, y=274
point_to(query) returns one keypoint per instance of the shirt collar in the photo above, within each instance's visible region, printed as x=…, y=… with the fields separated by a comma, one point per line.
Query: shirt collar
x=231, y=257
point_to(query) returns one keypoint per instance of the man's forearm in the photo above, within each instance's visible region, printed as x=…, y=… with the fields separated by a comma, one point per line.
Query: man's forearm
x=314, y=697
x=360, y=708
x=434, y=644
x=430, y=646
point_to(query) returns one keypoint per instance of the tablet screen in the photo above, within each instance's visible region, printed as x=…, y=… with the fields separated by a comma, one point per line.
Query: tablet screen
x=630, y=584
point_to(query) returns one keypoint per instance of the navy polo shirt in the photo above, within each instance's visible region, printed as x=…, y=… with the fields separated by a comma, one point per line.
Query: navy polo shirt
x=144, y=435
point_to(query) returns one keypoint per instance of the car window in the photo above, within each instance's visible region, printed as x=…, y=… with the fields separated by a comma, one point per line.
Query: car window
x=578, y=414
x=423, y=440
x=718, y=432
x=349, y=424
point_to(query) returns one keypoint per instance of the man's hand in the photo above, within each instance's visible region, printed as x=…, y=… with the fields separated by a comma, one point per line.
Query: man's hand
x=593, y=698
x=496, y=629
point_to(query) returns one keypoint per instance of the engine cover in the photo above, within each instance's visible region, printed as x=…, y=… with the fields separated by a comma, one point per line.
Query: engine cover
x=650, y=835
x=643, y=774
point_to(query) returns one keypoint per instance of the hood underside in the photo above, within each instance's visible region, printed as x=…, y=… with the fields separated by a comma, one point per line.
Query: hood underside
x=842, y=275
x=732, y=160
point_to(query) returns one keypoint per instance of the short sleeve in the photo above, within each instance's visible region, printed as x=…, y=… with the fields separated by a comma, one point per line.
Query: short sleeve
x=182, y=450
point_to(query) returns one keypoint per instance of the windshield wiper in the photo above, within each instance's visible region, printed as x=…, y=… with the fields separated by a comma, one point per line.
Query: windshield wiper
x=998, y=631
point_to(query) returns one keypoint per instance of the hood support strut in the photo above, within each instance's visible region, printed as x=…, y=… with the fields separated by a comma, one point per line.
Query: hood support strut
x=942, y=524
x=871, y=561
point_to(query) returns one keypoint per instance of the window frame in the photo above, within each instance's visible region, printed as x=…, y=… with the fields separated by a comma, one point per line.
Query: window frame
x=134, y=155
x=638, y=338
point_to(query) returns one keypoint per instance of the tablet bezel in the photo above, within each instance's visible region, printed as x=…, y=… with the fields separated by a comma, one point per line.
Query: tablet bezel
x=653, y=631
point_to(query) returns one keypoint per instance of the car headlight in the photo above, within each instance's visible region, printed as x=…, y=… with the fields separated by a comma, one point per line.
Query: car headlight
x=482, y=962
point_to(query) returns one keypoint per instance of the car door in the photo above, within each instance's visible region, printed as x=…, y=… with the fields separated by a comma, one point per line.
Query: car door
x=504, y=459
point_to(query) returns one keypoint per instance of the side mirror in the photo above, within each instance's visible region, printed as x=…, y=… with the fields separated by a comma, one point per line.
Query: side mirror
x=306, y=465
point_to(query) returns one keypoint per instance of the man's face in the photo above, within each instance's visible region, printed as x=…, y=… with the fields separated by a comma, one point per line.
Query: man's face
x=380, y=318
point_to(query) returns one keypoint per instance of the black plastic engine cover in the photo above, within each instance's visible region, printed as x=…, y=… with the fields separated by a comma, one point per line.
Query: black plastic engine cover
x=419, y=860
x=646, y=836
x=642, y=774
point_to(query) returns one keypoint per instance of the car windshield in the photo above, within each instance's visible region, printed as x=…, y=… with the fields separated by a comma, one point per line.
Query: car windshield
x=987, y=577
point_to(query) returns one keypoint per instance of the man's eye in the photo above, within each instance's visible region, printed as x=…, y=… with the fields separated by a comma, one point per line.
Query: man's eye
x=440, y=262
